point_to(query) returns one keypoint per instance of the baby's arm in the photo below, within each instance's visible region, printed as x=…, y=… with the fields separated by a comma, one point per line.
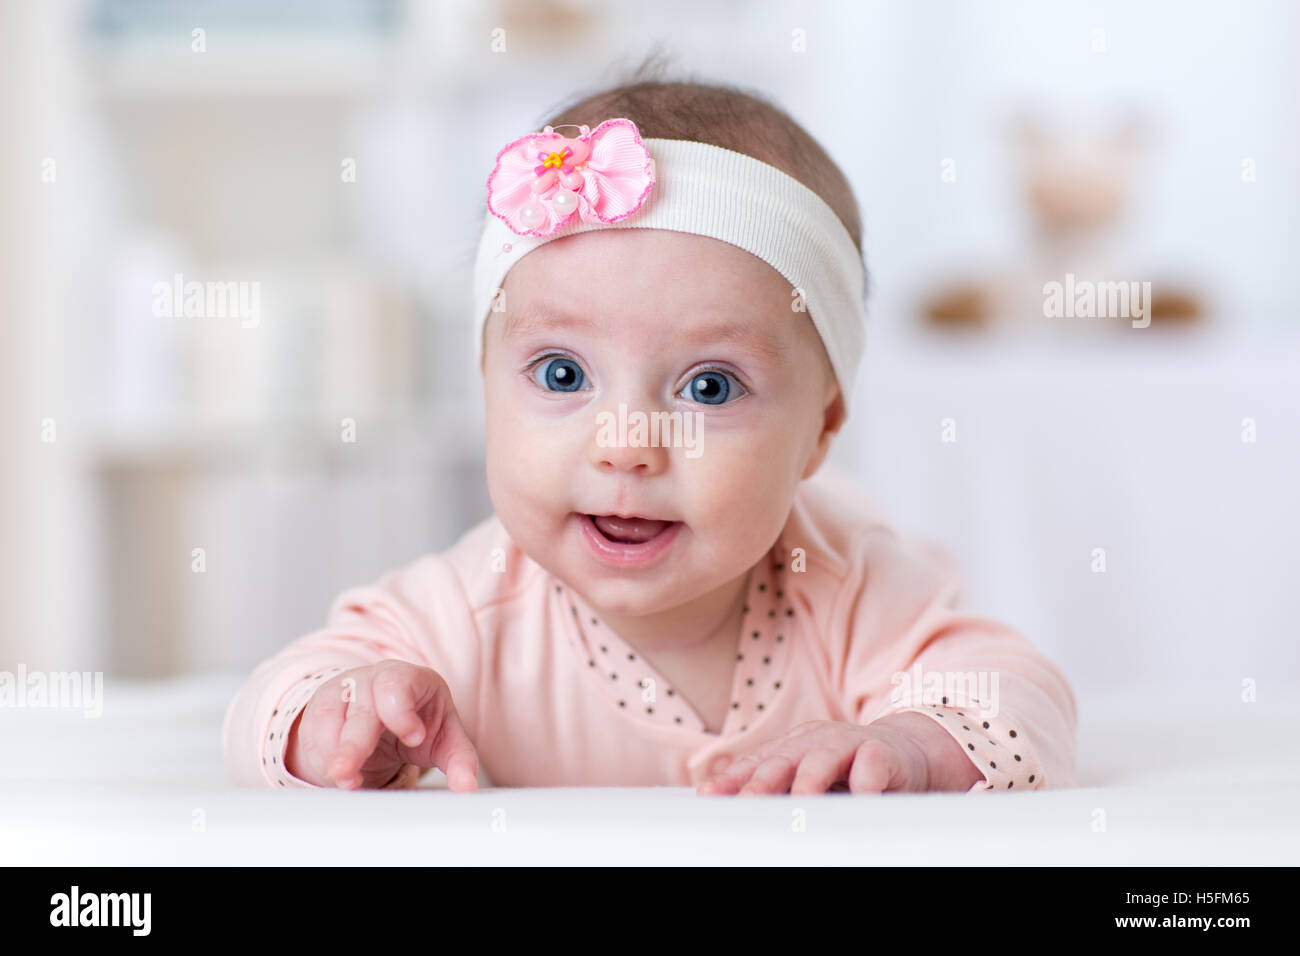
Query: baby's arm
x=417, y=614
x=995, y=698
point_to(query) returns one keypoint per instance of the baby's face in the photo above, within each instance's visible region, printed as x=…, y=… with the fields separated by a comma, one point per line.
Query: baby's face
x=653, y=321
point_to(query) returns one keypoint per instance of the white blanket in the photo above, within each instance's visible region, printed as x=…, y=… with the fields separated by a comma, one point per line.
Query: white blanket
x=1168, y=778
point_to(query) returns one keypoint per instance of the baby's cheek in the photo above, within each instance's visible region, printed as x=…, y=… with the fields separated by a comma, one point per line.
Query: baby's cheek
x=530, y=472
x=511, y=454
x=741, y=500
x=753, y=468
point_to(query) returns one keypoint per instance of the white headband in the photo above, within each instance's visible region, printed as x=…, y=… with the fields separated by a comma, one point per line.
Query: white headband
x=711, y=191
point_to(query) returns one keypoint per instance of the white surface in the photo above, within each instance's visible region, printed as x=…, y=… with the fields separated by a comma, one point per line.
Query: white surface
x=1183, y=776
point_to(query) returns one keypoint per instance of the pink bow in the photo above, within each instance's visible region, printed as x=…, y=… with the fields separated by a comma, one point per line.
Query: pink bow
x=542, y=179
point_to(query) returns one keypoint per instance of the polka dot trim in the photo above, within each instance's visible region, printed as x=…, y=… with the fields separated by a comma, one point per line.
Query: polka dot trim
x=640, y=691
x=276, y=738
x=996, y=745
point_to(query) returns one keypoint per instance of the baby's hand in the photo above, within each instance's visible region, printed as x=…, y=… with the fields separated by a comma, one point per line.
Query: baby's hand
x=370, y=726
x=892, y=753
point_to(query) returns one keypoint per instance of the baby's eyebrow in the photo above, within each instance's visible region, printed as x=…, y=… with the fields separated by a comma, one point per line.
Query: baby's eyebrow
x=746, y=336
x=530, y=319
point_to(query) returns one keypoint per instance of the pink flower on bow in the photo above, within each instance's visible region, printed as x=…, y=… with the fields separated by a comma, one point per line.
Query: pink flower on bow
x=542, y=179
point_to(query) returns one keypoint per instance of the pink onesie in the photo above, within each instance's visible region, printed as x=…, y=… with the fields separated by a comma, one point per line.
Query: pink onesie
x=838, y=611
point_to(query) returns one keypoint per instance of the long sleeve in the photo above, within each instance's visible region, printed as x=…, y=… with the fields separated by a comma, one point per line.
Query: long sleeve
x=418, y=613
x=907, y=648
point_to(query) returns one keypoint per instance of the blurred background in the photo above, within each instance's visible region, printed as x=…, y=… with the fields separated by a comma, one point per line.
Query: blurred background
x=187, y=493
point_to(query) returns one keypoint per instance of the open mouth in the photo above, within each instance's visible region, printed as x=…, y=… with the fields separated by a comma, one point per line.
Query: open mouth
x=629, y=530
x=626, y=542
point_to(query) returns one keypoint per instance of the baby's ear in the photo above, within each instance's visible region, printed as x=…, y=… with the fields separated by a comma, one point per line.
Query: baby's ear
x=833, y=417
x=483, y=344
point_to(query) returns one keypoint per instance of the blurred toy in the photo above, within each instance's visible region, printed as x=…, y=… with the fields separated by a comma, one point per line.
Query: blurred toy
x=1077, y=192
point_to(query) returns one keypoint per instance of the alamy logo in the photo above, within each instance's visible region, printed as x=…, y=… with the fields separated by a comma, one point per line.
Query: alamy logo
x=102, y=909
x=61, y=689
x=179, y=299
x=1098, y=300
x=976, y=690
x=639, y=430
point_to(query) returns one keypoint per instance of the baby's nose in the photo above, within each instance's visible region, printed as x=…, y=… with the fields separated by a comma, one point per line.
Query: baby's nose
x=628, y=440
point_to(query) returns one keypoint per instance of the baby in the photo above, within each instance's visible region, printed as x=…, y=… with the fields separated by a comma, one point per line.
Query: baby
x=644, y=610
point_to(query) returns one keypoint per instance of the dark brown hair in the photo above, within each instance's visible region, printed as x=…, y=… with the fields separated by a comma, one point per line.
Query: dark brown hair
x=727, y=116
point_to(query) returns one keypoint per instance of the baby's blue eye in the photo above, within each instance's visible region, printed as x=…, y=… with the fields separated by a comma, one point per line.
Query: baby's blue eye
x=559, y=375
x=708, y=388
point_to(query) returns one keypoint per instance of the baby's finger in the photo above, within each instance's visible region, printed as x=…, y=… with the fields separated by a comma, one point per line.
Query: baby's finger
x=357, y=739
x=399, y=692
x=437, y=739
x=772, y=776
x=874, y=767
x=454, y=752
x=819, y=769
x=732, y=779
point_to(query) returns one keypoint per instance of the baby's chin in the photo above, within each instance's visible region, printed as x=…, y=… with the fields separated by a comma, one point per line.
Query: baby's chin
x=621, y=576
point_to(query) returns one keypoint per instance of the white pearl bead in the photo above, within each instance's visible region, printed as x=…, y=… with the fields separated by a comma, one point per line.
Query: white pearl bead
x=532, y=215
x=564, y=202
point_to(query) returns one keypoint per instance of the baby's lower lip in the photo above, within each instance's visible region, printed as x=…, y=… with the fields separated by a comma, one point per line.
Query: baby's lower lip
x=626, y=554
